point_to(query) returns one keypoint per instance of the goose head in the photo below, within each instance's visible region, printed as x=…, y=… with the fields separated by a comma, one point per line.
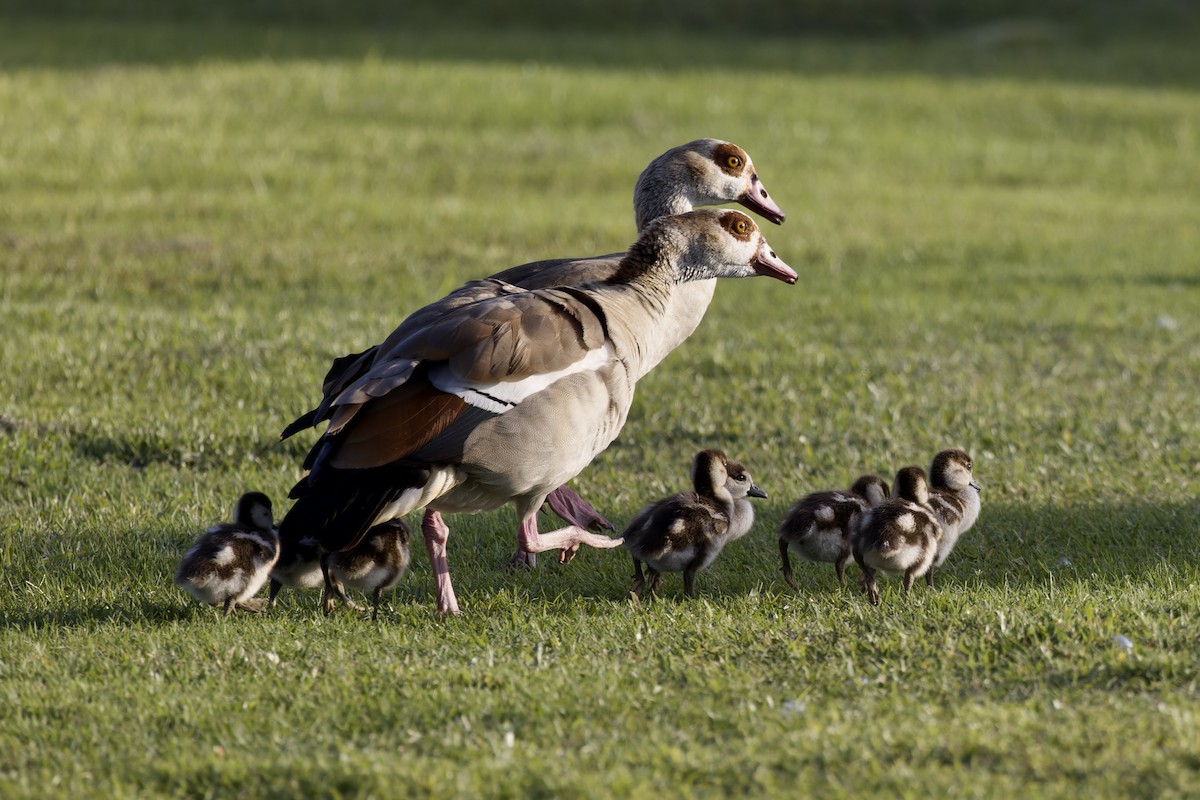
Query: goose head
x=713, y=475
x=253, y=509
x=912, y=485
x=701, y=173
x=952, y=469
x=738, y=482
x=871, y=488
x=708, y=472
x=703, y=244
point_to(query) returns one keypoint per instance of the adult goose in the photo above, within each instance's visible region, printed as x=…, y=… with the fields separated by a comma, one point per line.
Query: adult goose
x=701, y=172
x=508, y=398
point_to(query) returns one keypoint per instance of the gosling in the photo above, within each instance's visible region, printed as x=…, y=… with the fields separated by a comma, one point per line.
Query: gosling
x=954, y=498
x=900, y=536
x=687, y=531
x=818, y=526
x=230, y=561
x=298, y=567
x=374, y=565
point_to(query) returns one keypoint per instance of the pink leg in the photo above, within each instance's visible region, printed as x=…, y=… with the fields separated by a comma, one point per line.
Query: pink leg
x=566, y=539
x=436, y=533
x=575, y=510
x=572, y=508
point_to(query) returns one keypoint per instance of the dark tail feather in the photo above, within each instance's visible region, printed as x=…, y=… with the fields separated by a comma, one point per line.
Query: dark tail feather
x=302, y=423
x=343, y=372
x=339, y=509
x=337, y=520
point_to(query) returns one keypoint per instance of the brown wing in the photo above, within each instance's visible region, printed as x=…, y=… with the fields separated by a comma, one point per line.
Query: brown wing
x=561, y=272
x=394, y=426
x=394, y=411
x=350, y=369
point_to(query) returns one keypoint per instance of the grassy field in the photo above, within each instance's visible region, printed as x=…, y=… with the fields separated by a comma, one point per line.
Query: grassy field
x=997, y=239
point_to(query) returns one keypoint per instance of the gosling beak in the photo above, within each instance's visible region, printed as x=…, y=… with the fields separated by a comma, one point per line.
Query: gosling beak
x=755, y=491
x=976, y=486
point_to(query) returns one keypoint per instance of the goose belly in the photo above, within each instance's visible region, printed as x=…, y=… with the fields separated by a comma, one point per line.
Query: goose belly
x=548, y=438
x=300, y=575
x=240, y=583
x=370, y=578
x=971, y=513
x=681, y=559
x=900, y=558
x=949, y=538
x=823, y=545
x=299, y=565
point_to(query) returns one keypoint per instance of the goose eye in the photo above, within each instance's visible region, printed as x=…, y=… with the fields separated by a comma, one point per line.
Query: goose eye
x=740, y=226
x=735, y=162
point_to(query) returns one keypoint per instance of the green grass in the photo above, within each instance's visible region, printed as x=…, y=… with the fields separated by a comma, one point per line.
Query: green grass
x=998, y=251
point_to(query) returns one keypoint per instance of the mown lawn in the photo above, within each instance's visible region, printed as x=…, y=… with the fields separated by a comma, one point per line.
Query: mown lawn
x=998, y=248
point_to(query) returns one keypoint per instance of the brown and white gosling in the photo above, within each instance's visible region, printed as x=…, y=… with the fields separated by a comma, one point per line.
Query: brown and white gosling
x=230, y=561
x=818, y=526
x=686, y=531
x=374, y=565
x=954, y=497
x=900, y=535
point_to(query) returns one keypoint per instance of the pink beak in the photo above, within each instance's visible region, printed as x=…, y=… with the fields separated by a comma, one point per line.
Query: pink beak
x=757, y=200
x=771, y=265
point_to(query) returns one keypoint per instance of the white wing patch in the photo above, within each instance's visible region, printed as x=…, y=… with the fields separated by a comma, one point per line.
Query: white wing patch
x=256, y=538
x=501, y=396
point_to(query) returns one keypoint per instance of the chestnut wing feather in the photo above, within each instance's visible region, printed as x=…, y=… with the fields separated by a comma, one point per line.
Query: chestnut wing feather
x=394, y=411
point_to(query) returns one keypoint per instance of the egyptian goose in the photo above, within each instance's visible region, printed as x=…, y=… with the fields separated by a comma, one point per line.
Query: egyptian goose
x=819, y=525
x=686, y=531
x=230, y=561
x=702, y=172
x=954, y=497
x=374, y=565
x=900, y=535
x=508, y=398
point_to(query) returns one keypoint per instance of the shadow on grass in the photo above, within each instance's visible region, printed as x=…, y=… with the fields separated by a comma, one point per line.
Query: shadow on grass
x=139, y=449
x=139, y=613
x=1015, y=547
x=1018, y=547
x=1103, y=42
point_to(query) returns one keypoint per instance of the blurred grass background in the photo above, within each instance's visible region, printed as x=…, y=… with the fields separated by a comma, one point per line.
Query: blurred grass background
x=992, y=208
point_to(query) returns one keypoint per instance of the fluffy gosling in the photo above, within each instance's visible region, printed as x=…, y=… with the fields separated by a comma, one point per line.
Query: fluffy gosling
x=819, y=525
x=686, y=531
x=230, y=561
x=900, y=535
